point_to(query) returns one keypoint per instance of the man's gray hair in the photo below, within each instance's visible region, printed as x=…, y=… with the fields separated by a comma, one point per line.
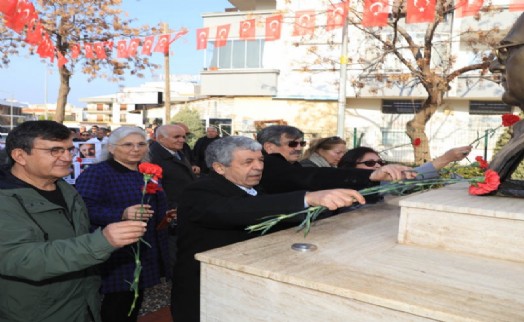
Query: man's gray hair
x=221, y=150
x=273, y=133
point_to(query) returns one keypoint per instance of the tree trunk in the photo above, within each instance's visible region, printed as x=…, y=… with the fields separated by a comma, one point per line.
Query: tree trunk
x=63, y=92
x=416, y=129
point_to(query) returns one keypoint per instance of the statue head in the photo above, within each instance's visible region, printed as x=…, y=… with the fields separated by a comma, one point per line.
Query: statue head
x=510, y=63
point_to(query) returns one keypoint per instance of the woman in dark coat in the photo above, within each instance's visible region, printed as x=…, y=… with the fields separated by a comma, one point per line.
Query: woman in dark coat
x=112, y=191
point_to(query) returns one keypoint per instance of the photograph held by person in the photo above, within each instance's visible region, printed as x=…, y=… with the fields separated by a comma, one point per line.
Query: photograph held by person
x=167, y=152
x=282, y=147
x=48, y=255
x=214, y=212
x=199, y=150
x=324, y=152
x=112, y=191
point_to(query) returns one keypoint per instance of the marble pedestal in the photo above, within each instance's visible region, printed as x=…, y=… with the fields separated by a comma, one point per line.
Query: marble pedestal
x=359, y=271
x=450, y=219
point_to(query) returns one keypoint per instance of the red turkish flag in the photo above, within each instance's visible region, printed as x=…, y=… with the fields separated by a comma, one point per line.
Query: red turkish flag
x=75, y=51
x=375, y=13
x=8, y=7
x=133, y=47
x=46, y=49
x=121, y=49
x=516, y=5
x=273, y=27
x=222, y=33
x=247, y=29
x=304, y=23
x=336, y=15
x=22, y=16
x=99, y=50
x=466, y=8
x=88, y=48
x=420, y=11
x=147, y=46
x=162, y=44
x=179, y=34
x=33, y=35
x=61, y=59
x=201, y=38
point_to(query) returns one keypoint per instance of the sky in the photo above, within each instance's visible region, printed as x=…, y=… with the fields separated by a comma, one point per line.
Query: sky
x=28, y=80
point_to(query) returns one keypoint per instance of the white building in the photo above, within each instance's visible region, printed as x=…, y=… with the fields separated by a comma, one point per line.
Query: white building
x=296, y=78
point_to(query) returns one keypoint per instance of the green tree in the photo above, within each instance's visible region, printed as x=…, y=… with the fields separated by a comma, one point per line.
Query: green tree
x=191, y=118
x=70, y=22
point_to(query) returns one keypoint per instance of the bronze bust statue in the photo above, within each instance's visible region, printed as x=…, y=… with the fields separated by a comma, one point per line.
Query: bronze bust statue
x=510, y=64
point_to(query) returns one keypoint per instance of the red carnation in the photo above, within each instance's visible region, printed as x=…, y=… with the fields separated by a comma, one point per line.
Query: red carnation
x=483, y=164
x=416, y=142
x=150, y=169
x=152, y=188
x=491, y=183
x=509, y=119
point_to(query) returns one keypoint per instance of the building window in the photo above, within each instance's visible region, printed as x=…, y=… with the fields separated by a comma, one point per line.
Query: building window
x=401, y=107
x=99, y=107
x=238, y=54
x=123, y=107
x=122, y=118
x=488, y=108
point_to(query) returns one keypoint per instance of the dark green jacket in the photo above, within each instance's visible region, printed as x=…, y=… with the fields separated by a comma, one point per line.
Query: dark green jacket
x=47, y=256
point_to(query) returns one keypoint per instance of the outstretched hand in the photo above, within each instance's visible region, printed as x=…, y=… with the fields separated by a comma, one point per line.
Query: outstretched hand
x=452, y=155
x=392, y=172
x=123, y=233
x=334, y=198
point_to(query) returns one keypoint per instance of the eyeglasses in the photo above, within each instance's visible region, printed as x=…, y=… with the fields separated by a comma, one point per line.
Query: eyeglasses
x=372, y=163
x=129, y=146
x=294, y=144
x=503, y=52
x=57, y=152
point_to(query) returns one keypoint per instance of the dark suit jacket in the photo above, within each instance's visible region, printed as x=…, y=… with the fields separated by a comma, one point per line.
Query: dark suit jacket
x=281, y=176
x=176, y=174
x=214, y=212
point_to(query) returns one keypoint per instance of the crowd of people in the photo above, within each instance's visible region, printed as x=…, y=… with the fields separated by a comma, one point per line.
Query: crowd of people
x=208, y=196
x=64, y=248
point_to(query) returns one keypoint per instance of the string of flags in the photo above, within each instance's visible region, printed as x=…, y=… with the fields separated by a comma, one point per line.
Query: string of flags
x=375, y=14
x=20, y=16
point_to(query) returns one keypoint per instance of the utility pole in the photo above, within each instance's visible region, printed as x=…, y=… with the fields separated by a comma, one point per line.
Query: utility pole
x=167, y=88
x=341, y=119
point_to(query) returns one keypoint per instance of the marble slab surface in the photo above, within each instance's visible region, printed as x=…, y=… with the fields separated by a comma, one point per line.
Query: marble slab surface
x=358, y=273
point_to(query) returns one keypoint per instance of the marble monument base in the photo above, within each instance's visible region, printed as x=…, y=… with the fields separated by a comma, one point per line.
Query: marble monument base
x=445, y=270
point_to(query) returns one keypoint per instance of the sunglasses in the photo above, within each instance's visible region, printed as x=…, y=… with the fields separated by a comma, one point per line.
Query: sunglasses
x=294, y=144
x=372, y=163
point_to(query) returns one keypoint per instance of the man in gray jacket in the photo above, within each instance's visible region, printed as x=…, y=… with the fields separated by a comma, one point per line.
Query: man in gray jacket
x=47, y=252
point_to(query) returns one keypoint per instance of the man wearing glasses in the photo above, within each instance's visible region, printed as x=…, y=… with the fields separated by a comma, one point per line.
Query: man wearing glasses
x=47, y=253
x=283, y=145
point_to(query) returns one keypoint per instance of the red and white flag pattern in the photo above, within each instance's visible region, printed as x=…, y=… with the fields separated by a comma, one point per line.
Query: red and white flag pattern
x=202, y=34
x=222, y=34
x=304, y=23
x=273, y=27
x=247, y=29
x=375, y=13
x=336, y=15
x=420, y=11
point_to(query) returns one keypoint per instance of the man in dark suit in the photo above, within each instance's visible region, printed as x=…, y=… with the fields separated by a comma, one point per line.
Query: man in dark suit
x=215, y=211
x=283, y=147
x=166, y=151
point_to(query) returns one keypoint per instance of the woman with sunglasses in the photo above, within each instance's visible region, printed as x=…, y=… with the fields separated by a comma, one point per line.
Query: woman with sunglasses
x=367, y=158
x=324, y=152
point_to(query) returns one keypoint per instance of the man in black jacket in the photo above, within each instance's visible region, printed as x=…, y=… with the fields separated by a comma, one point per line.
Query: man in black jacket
x=167, y=152
x=282, y=172
x=214, y=212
